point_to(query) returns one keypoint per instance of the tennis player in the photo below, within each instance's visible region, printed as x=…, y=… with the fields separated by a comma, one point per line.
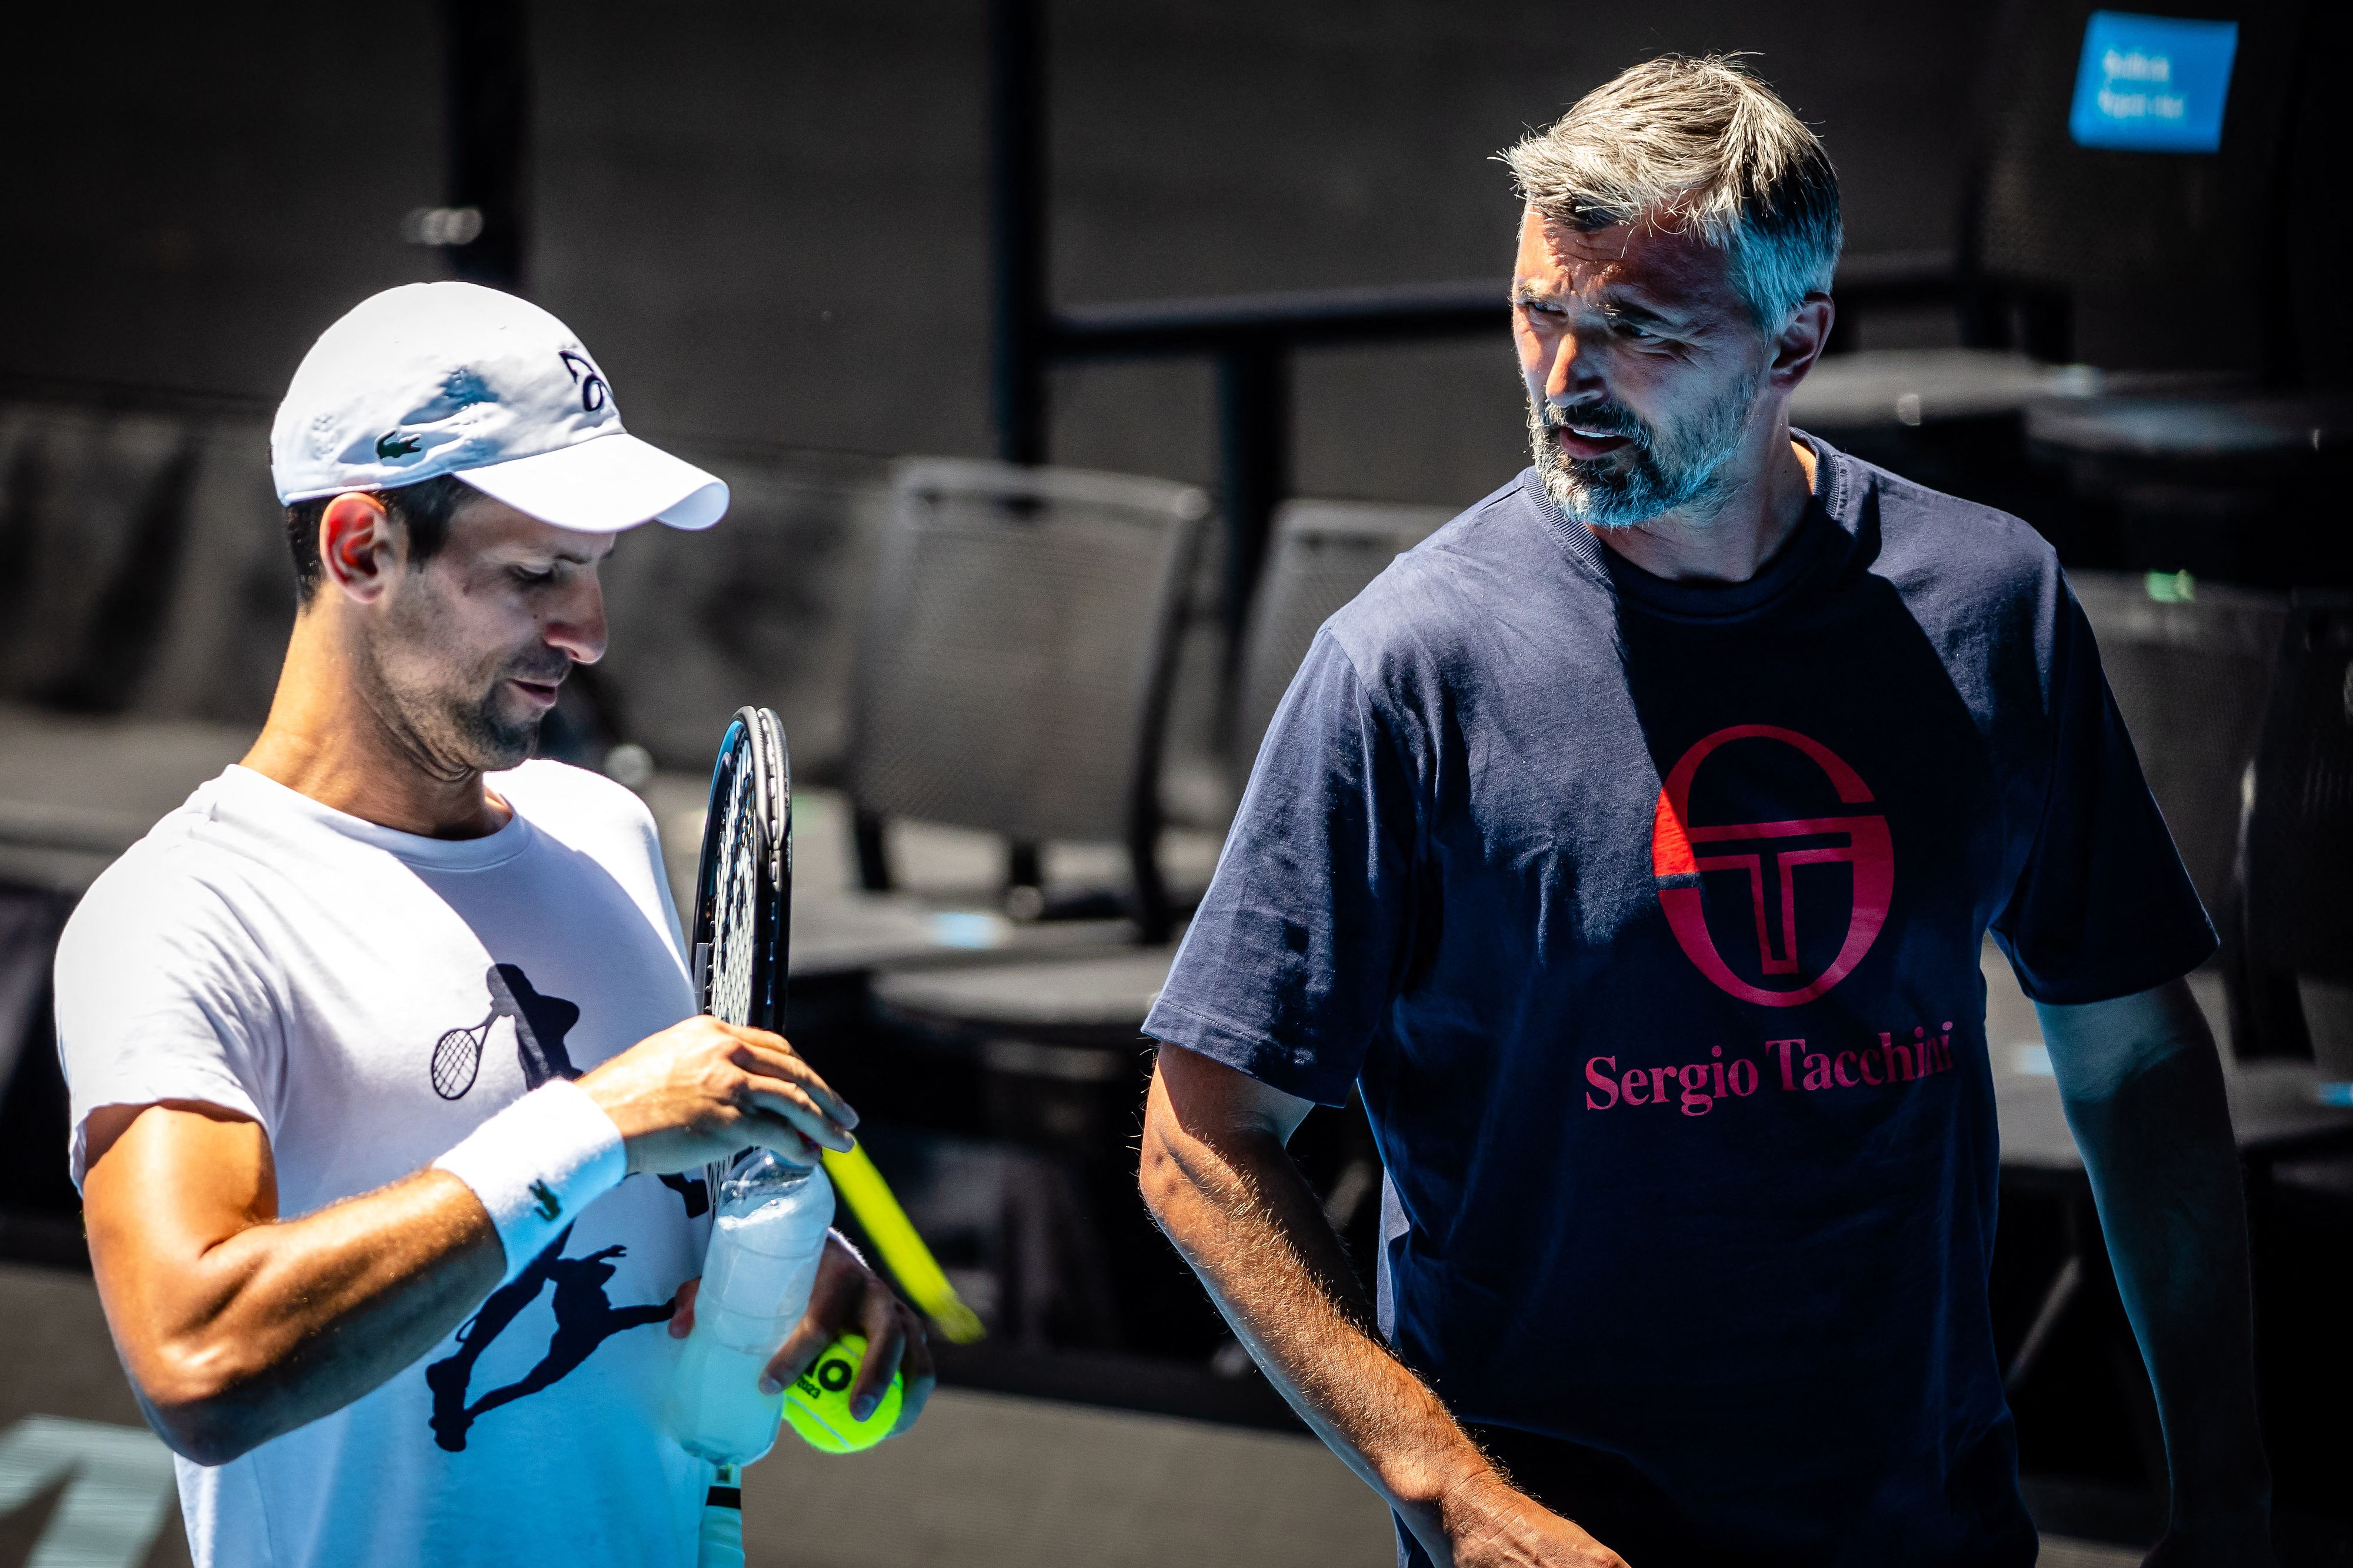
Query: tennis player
x=1630, y=844
x=388, y=1113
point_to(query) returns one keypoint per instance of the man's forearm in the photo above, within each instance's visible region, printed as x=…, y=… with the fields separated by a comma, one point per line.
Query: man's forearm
x=1250, y=1227
x=232, y=1341
x=2158, y=1145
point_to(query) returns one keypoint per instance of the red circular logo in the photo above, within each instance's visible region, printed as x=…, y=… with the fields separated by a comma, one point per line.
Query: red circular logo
x=1859, y=841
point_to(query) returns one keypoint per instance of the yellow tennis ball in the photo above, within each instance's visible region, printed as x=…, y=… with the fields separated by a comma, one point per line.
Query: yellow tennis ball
x=818, y=1403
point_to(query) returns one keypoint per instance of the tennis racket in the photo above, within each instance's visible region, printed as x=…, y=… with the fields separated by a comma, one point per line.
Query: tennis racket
x=743, y=881
x=743, y=904
x=742, y=896
x=457, y=1057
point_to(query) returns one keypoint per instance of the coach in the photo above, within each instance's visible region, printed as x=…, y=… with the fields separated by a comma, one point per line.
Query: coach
x=389, y=1129
x=1630, y=844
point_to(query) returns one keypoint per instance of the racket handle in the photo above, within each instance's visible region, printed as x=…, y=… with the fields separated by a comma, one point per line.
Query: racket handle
x=902, y=1251
x=720, y=1543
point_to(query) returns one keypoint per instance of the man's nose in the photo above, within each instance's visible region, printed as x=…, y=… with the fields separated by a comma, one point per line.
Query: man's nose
x=1574, y=374
x=579, y=626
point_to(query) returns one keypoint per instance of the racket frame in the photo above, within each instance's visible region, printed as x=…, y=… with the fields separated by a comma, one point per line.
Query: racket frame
x=755, y=740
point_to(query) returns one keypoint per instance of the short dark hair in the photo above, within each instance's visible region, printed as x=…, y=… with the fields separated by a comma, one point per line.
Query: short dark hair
x=424, y=509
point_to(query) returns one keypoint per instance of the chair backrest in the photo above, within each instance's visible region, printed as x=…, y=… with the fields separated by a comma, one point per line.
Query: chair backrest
x=2297, y=849
x=91, y=509
x=2127, y=237
x=2190, y=676
x=1014, y=665
x=221, y=638
x=762, y=609
x=1323, y=554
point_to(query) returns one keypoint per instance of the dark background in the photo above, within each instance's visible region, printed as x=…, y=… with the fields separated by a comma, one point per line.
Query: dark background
x=769, y=221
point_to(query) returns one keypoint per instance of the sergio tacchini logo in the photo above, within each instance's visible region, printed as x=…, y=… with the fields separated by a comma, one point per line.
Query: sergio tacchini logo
x=1859, y=840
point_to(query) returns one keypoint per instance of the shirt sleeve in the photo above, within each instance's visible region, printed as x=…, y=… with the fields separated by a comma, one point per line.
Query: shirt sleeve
x=1299, y=944
x=2104, y=907
x=157, y=998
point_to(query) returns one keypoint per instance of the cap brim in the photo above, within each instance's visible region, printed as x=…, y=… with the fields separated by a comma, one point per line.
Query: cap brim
x=605, y=485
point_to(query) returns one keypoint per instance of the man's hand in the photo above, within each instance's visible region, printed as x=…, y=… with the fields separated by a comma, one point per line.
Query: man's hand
x=702, y=1089
x=848, y=1298
x=1216, y=1177
x=1493, y=1526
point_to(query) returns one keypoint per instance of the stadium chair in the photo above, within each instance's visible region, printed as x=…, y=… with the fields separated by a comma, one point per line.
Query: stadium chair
x=2289, y=973
x=1013, y=671
x=2070, y=252
x=222, y=636
x=1325, y=554
x=1085, y=1014
x=2191, y=665
x=91, y=511
x=1054, y=1047
x=104, y=704
x=823, y=559
x=2288, y=976
x=761, y=609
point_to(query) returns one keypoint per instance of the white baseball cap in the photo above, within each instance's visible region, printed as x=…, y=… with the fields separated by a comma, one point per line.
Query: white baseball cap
x=453, y=378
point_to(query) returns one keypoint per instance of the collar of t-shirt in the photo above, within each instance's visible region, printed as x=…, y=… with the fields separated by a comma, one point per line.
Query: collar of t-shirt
x=271, y=807
x=1815, y=541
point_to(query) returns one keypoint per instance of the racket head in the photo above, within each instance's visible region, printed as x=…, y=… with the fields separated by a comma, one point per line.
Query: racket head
x=458, y=1059
x=740, y=913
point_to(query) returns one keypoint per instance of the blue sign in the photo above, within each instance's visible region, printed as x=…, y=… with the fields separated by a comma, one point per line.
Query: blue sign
x=2152, y=84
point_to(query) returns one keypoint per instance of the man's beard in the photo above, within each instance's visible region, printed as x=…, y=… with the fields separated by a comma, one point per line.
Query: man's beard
x=1657, y=471
x=449, y=727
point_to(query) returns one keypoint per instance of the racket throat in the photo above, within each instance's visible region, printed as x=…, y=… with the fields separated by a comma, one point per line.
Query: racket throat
x=720, y=1541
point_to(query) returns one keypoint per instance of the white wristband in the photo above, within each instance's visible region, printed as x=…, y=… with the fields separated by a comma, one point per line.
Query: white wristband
x=537, y=1164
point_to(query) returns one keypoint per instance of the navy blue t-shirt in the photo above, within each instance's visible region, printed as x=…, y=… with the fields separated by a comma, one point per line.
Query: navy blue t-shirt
x=1647, y=917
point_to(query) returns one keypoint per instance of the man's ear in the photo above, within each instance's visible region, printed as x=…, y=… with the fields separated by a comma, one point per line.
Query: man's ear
x=359, y=547
x=1802, y=341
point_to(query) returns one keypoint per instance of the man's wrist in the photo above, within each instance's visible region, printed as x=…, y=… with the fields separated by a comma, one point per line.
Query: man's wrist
x=536, y=1164
x=1448, y=1479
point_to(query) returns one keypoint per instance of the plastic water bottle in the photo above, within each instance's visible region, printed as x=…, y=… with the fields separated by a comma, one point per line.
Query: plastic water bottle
x=764, y=1246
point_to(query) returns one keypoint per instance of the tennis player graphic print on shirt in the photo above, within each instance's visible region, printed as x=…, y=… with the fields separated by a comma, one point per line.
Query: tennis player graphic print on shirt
x=539, y=1024
x=586, y=1316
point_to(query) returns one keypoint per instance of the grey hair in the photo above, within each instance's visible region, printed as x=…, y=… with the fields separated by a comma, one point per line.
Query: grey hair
x=1701, y=147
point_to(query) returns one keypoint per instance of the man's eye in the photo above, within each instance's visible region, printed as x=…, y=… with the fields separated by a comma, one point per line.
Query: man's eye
x=533, y=579
x=1539, y=307
x=1636, y=330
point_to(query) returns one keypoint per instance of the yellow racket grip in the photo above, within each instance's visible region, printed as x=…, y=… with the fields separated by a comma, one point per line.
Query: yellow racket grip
x=886, y=1225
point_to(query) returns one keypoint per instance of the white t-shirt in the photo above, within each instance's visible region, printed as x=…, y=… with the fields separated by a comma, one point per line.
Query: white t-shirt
x=370, y=996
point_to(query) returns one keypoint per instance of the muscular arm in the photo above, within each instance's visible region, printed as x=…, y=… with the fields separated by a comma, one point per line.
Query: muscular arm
x=237, y=1326
x=1216, y=1177
x=2143, y=1089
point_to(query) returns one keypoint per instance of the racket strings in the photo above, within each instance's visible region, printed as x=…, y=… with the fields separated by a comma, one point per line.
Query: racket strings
x=733, y=925
x=457, y=1057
